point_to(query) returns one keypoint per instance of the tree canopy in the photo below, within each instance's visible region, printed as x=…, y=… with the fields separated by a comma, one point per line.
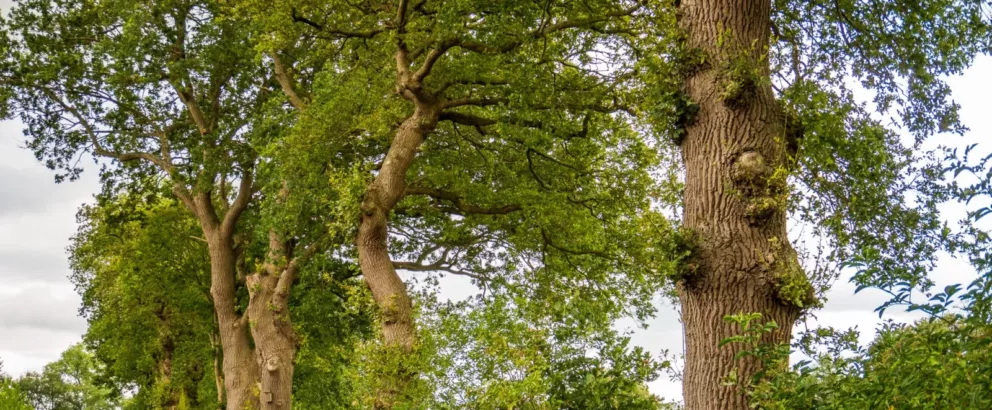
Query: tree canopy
x=289, y=187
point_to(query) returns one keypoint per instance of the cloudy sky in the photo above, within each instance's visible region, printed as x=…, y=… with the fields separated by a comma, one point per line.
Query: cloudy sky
x=38, y=305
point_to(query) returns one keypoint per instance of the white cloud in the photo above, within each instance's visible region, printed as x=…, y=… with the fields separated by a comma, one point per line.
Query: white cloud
x=38, y=306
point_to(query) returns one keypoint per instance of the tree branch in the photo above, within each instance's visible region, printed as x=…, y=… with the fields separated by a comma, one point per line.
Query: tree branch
x=335, y=32
x=438, y=267
x=245, y=192
x=478, y=102
x=286, y=82
x=431, y=59
x=98, y=148
x=544, y=31
x=459, y=203
x=547, y=240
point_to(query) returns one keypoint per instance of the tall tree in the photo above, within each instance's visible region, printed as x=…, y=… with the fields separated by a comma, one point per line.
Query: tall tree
x=495, y=145
x=757, y=96
x=142, y=267
x=171, y=91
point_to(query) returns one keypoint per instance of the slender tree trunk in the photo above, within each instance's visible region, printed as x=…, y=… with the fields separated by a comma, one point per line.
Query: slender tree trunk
x=735, y=156
x=271, y=329
x=240, y=369
x=387, y=288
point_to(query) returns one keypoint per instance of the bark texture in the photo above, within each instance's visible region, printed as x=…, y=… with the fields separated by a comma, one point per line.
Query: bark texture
x=271, y=328
x=238, y=363
x=380, y=275
x=734, y=153
x=257, y=347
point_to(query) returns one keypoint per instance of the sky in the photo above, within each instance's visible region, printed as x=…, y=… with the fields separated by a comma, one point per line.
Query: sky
x=39, y=307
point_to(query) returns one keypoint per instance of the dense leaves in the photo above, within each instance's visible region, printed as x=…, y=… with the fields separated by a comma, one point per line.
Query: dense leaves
x=70, y=383
x=541, y=179
x=144, y=278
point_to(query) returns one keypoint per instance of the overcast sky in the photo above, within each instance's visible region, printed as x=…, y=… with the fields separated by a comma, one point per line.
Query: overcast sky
x=38, y=305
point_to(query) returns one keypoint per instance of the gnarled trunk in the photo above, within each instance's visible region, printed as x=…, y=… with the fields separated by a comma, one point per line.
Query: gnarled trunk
x=271, y=328
x=736, y=155
x=387, y=288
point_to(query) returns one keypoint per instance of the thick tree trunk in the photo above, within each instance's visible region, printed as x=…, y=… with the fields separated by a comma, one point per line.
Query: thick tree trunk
x=735, y=156
x=271, y=329
x=387, y=288
x=238, y=364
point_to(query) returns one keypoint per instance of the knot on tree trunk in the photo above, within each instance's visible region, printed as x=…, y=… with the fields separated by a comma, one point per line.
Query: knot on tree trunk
x=749, y=168
x=272, y=364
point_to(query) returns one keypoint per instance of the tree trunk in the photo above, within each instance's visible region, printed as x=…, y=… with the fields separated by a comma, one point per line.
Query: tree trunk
x=387, y=288
x=736, y=157
x=238, y=362
x=275, y=340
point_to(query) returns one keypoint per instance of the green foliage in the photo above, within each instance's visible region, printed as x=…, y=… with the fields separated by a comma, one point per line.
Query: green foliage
x=496, y=353
x=941, y=361
x=11, y=397
x=872, y=195
x=532, y=180
x=740, y=72
x=144, y=275
x=752, y=344
x=70, y=383
x=145, y=282
x=163, y=87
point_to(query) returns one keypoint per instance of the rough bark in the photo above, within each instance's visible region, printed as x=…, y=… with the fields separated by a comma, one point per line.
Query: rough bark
x=734, y=154
x=238, y=361
x=271, y=329
x=387, y=288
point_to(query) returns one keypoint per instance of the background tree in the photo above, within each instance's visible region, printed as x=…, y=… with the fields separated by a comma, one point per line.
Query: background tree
x=69, y=383
x=11, y=397
x=144, y=276
x=169, y=91
x=757, y=97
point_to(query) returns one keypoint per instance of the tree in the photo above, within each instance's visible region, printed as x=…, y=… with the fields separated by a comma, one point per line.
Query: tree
x=145, y=284
x=144, y=274
x=492, y=142
x=11, y=397
x=940, y=361
x=69, y=383
x=170, y=91
x=756, y=95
